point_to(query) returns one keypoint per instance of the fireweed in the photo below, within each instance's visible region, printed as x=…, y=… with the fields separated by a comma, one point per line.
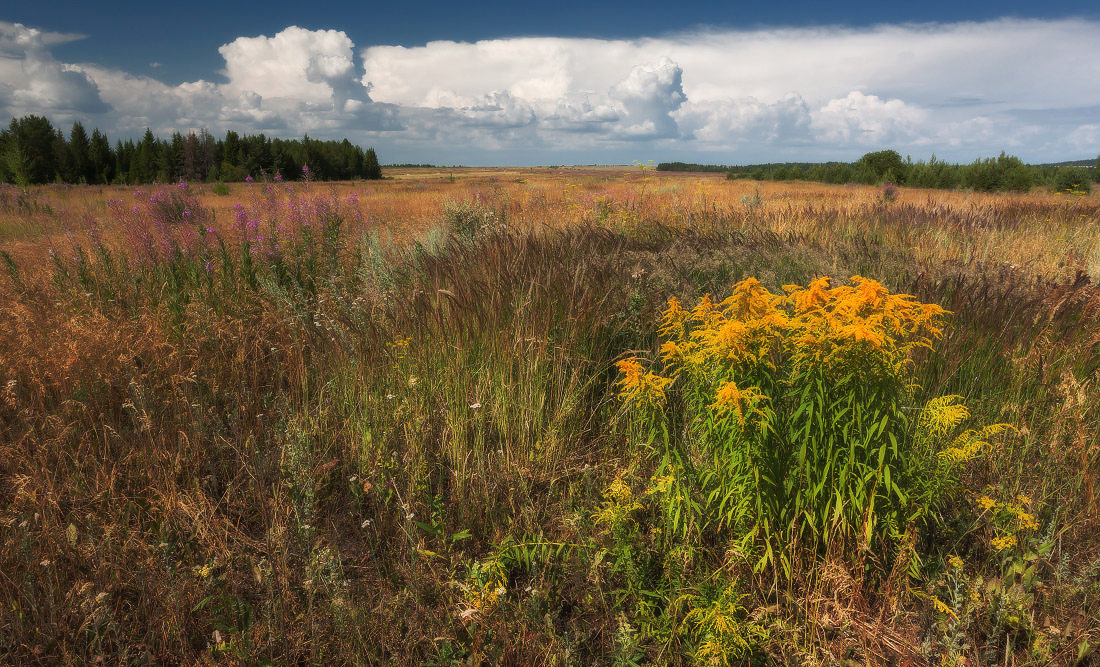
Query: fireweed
x=787, y=419
x=159, y=225
x=171, y=248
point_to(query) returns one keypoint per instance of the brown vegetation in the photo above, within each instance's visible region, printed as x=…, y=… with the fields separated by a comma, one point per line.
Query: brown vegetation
x=382, y=425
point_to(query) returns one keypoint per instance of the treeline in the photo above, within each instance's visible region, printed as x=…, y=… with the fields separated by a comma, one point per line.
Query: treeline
x=33, y=151
x=691, y=166
x=1004, y=172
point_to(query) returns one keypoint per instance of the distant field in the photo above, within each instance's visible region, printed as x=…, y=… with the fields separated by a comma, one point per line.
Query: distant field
x=452, y=416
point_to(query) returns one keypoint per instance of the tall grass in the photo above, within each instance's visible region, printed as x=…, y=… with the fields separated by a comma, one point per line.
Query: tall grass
x=351, y=433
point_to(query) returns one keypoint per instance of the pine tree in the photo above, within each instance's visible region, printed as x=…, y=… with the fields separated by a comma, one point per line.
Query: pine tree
x=189, y=157
x=143, y=166
x=80, y=152
x=101, y=158
x=208, y=154
x=30, y=153
x=64, y=173
x=371, y=169
x=124, y=158
x=14, y=161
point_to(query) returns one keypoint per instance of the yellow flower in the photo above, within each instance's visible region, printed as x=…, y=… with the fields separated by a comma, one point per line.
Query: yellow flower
x=869, y=292
x=1005, y=542
x=1026, y=520
x=670, y=350
x=986, y=502
x=750, y=300
x=728, y=341
x=632, y=371
x=955, y=562
x=861, y=332
x=732, y=398
x=813, y=297
x=673, y=319
x=646, y=389
x=704, y=311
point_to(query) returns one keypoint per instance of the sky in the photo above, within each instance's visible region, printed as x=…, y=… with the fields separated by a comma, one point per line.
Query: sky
x=497, y=83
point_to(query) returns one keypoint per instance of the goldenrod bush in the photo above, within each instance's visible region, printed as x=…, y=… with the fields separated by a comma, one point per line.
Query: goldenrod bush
x=788, y=419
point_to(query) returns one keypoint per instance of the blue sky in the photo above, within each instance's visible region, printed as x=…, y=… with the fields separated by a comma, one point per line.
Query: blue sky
x=184, y=37
x=572, y=82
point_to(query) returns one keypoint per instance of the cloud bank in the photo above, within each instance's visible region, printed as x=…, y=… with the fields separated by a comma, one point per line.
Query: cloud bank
x=1030, y=87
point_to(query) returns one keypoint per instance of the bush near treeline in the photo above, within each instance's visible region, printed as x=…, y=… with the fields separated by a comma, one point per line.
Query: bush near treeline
x=1004, y=172
x=33, y=151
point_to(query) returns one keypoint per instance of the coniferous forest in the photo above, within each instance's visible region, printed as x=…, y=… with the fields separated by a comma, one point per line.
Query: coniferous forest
x=33, y=151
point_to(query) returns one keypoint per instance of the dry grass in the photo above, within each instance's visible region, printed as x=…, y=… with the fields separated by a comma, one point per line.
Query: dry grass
x=287, y=465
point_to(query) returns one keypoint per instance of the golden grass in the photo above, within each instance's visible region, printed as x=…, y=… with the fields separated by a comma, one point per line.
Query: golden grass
x=203, y=464
x=1049, y=234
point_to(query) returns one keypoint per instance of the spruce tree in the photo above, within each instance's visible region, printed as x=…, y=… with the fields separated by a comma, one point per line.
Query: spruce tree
x=143, y=166
x=80, y=155
x=101, y=158
x=31, y=153
x=371, y=169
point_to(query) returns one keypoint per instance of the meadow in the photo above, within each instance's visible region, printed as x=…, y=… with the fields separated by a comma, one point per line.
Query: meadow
x=548, y=416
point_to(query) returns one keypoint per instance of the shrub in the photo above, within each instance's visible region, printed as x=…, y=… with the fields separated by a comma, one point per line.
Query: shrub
x=783, y=419
x=888, y=192
x=1018, y=178
x=983, y=176
x=882, y=165
x=467, y=219
x=753, y=201
x=1072, y=179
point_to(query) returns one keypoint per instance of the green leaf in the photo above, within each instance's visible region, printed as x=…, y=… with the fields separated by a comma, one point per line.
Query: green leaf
x=433, y=530
x=1084, y=650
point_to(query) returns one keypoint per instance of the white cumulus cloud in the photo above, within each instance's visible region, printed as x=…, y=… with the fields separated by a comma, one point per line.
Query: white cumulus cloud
x=958, y=90
x=34, y=82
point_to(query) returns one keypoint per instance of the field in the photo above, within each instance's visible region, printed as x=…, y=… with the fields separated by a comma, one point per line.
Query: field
x=440, y=419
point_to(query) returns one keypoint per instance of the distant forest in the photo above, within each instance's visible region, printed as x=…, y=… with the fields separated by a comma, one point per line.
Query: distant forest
x=1004, y=172
x=33, y=151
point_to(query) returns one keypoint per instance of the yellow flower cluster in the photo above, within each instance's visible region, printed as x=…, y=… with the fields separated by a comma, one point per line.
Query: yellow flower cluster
x=1010, y=518
x=1004, y=542
x=399, y=347
x=619, y=503
x=733, y=399
x=725, y=633
x=640, y=387
x=810, y=326
x=828, y=322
